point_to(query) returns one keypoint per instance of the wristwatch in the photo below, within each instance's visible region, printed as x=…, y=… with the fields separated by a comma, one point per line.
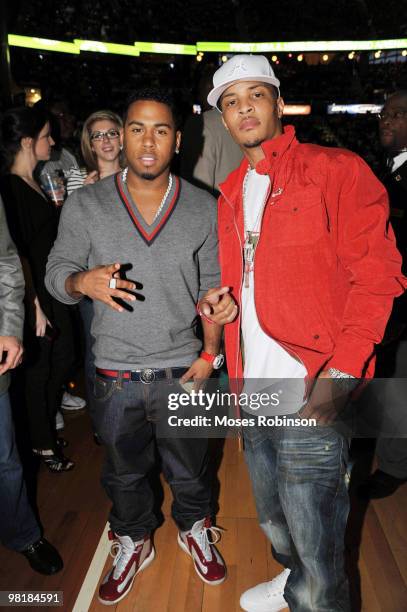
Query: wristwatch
x=216, y=361
x=346, y=382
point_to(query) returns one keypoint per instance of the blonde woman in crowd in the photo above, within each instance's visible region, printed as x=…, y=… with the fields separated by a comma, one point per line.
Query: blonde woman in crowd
x=101, y=149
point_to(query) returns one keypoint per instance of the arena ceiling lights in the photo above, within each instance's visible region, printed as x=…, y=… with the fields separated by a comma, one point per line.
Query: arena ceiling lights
x=43, y=44
x=78, y=45
x=101, y=47
x=166, y=48
x=303, y=47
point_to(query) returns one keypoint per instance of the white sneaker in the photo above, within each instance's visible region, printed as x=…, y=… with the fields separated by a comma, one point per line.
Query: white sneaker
x=72, y=402
x=267, y=596
x=59, y=421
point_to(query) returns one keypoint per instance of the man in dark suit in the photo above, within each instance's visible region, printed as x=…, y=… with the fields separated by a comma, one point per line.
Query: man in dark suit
x=392, y=354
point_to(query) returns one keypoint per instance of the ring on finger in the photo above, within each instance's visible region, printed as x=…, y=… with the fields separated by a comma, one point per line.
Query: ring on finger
x=112, y=283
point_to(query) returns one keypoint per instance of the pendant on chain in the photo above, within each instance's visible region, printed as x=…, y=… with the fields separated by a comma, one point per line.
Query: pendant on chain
x=248, y=255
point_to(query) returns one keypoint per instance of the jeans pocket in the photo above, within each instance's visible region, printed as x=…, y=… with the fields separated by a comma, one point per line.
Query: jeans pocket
x=313, y=454
x=103, y=389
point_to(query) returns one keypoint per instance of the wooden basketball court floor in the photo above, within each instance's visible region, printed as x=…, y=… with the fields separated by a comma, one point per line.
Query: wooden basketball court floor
x=73, y=510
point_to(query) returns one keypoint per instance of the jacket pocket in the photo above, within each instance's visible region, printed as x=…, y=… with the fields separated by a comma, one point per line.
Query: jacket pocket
x=296, y=219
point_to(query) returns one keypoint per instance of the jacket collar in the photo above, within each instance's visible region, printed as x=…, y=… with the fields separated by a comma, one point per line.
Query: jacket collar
x=273, y=151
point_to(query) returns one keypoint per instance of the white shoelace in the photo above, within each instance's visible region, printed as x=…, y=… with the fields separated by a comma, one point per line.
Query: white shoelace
x=121, y=553
x=200, y=534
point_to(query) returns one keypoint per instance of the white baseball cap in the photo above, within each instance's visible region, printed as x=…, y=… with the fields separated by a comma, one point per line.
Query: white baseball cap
x=241, y=68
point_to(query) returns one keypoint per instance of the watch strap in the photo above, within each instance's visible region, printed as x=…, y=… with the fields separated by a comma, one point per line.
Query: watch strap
x=208, y=357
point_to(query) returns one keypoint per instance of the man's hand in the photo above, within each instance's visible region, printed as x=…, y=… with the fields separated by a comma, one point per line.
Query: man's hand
x=326, y=401
x=96, y=284
x=12, y=350
x=218, y=306
x=200, y=371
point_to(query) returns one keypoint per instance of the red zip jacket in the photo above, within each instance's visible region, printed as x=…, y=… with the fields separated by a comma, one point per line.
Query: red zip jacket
x=326, y=264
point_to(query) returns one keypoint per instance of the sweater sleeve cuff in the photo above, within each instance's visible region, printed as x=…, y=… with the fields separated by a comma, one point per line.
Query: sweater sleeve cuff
x=56, y=287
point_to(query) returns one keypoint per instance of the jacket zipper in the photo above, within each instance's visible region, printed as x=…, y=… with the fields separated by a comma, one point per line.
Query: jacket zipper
x=241, y=281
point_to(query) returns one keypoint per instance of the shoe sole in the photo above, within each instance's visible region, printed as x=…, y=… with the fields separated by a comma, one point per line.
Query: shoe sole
x=143, y=566
x=210, y=582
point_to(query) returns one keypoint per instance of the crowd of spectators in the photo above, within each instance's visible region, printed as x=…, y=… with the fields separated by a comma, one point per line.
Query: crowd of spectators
x=92, y=81
x=359, y=133
x=177, y=21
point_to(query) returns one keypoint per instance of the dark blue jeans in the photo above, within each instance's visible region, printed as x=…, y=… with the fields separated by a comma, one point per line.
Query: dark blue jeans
x=18, y=525
x=126, y=418
x=298, y=478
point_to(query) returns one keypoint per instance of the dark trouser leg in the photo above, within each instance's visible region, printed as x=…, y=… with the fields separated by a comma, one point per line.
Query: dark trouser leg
x=35, y=375
x=300, y=471
x=18, y=526
x=61, y=359
x=184, y=460
x=86, y=312
x=119, y=419
x=185, y=467
x=391, y=449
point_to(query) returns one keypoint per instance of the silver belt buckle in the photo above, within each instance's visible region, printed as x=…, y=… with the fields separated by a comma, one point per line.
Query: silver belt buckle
x=147, y=376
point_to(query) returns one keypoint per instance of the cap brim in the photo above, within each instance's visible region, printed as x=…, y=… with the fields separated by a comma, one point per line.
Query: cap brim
x=216, y=92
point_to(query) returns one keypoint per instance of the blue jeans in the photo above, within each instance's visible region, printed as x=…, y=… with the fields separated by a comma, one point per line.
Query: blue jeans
x=18, y=525
x=298, y=478
x=126, y=416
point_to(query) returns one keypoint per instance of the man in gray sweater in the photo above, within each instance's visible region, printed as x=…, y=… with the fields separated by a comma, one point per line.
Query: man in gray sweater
x=143, y=245
x=19, y=529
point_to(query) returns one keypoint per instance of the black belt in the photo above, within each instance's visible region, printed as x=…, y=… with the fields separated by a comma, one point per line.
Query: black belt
x=146, y=376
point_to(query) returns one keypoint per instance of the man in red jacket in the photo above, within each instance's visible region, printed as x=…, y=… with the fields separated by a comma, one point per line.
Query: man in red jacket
x=307, y=255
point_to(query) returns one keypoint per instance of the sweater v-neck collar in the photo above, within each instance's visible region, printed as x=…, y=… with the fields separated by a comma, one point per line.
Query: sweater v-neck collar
x=147, y=232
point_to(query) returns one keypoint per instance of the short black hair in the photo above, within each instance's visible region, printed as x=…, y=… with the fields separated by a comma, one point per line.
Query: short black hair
x=154, y=94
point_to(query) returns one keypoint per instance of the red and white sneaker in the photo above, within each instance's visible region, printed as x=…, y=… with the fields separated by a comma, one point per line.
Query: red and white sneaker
x=129, y=559
x=208, y=563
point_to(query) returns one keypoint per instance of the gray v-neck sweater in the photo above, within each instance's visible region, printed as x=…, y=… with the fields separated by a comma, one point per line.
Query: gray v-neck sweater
x=176, y=260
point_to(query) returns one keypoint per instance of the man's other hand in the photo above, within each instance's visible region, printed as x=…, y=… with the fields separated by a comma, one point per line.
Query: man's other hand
x=327, y=400
x=103, y=283
x=219, y=306
x=199, y=371
x=11, y=352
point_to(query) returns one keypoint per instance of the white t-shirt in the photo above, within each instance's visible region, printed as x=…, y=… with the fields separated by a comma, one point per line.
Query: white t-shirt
x=264, y=358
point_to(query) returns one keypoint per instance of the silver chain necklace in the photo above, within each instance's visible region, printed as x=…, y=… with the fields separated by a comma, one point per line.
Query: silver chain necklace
x=166, y=194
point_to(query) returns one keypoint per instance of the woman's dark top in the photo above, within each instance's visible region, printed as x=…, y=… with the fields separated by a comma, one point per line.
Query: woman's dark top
x=33, y=224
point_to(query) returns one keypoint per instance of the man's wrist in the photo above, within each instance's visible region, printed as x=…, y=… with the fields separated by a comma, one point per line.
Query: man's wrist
x=346, y=382
x=216, y=359
x=73, y=285
x=335, y=373
x=202, y=315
